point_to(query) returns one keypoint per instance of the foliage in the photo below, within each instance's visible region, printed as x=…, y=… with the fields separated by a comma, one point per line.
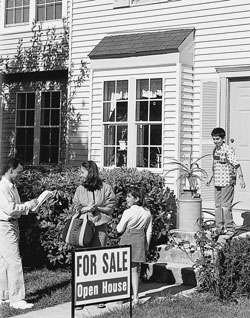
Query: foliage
x=190, y=171
x=224, y=268
x=45, y=229
x=48, y=51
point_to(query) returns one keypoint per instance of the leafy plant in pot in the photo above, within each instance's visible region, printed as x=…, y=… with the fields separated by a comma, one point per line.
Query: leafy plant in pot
x=190, y=173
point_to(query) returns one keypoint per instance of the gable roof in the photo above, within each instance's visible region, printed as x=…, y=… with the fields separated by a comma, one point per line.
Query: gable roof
x=139, y=44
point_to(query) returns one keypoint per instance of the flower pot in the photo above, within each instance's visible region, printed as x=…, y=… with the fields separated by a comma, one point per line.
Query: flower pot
x=189, y=212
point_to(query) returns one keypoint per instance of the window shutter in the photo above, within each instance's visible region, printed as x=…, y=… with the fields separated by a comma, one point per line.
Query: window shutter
x=121, y=3
x=209, y=120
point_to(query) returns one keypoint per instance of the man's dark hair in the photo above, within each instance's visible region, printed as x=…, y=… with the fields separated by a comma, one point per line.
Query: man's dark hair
x=218, y=132
x=93, y=181
x=11, y=163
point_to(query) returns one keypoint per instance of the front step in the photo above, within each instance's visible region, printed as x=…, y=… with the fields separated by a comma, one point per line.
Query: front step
x=169, y=273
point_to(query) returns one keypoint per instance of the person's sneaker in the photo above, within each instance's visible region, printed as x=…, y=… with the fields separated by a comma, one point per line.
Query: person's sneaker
x=79, y=308
x=135, y=302
x=101, y=306
x=22, y=304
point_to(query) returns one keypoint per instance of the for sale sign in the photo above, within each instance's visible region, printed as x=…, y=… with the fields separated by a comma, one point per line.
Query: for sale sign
x=101, y=275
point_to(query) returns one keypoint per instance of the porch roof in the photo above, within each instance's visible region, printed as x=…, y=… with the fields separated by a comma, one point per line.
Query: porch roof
x=140, y=44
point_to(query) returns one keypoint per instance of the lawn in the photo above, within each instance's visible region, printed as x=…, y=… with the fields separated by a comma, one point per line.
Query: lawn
x=44, y=288
x=48, y=288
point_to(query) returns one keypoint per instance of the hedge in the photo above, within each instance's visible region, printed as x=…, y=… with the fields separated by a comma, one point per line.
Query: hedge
x=41, y=242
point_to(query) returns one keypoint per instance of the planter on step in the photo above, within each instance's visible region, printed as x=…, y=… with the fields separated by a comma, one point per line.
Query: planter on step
x=189, y=211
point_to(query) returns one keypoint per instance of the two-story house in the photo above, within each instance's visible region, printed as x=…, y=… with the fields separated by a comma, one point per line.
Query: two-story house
x=162, y=75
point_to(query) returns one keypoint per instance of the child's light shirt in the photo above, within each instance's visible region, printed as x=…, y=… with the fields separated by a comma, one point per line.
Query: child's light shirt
x=136, y=217
x=224, y=166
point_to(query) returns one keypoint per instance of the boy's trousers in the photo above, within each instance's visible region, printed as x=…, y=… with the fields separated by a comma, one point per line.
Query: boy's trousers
x=223, y=206
x=11, y=271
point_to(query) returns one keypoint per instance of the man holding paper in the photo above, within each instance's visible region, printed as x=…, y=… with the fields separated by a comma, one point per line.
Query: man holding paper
x=11, y=271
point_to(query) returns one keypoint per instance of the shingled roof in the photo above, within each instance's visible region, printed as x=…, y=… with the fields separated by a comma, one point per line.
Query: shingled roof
x=138, y=44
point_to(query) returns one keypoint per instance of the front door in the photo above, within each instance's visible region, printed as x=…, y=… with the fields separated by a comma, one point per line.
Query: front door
x=239, y=135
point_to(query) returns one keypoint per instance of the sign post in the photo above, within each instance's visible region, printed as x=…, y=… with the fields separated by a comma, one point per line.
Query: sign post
x=100, y=275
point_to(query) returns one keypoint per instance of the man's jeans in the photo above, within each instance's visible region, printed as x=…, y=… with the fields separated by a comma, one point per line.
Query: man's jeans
x=223, y=207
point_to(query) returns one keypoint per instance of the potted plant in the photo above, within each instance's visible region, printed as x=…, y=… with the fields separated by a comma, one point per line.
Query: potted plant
x=189, y=203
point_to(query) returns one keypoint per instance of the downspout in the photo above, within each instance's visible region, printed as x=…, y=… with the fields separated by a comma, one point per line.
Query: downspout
x=90, y=112
x=69, y=69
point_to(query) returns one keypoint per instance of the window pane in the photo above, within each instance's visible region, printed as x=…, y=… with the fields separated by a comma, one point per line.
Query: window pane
x=155, y=157
x=142, y=135
x=20, y=136
x=40, y=1
x=40, y=13
x=49, y=12
x=108, y=111
x=20, y=118
x=122, y=90
x=30, y=100
x=26, y=15
x=142, y=88
x=155, y=135
x=44, y=155
x=19, y=3
x=55, y=117
x=121, y=156
x=142, y=157
x=58, y=13
x=45, y=136
x=9, y=16
x=54, y=151
x=45, y=117
x=21, y=101
x=24, y=143
x=109, y=156
x=121, y=133
x=9, y=3
x=142, y=111
x=18, y=16
x=156, y=87
x=155, y=110
x=30, y=118
x=56, y=99
x=54, y=136
x=46, y=100
x=109, y=135
x=26, y=2
x=109, y=91
x=122, y=111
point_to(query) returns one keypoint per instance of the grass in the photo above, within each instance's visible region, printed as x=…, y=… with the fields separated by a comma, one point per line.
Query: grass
x=44, y=288
x=47, y=288
x=195, y=306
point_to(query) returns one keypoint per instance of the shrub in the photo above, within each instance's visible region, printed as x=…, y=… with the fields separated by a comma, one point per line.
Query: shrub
x=225, y=271
x=45, y=229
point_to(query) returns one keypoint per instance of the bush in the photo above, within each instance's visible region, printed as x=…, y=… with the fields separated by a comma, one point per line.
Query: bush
x=44, y=230
x=226, y=273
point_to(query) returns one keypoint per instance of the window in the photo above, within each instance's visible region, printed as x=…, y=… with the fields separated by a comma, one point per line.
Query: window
x=146, y=124
x=48, y=10
x=38, y=119
x=149, y=123
x=115, y=116
x=17, y=11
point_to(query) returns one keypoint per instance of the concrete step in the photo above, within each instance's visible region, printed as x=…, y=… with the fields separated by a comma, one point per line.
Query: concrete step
x=183, y=255
x=180, y=236
x=169, y=273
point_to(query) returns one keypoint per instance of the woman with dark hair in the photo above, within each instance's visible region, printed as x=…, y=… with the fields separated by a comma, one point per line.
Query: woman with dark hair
x=96, y=198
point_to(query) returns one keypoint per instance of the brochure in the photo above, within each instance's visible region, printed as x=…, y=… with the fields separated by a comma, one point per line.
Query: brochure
x=42, y=198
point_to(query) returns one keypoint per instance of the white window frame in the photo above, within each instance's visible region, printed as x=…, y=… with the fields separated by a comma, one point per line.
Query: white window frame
x=132, y=123
x=26, y=26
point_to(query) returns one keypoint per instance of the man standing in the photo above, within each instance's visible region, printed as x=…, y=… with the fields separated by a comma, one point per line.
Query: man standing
x=11, y=271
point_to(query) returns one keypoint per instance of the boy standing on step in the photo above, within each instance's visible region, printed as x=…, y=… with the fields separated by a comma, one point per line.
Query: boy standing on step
x=225, y=168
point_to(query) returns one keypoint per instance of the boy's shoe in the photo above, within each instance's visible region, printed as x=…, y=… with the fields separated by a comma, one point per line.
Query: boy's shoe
x=22, y=304
x=101, y=306
x=79, y=308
